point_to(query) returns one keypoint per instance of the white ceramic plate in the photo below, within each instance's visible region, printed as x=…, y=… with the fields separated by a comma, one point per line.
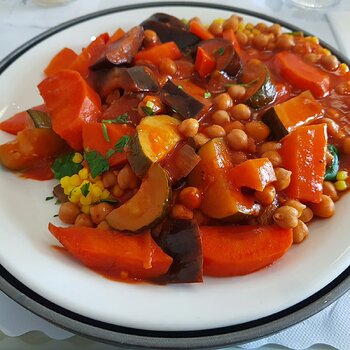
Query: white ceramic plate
x=25, y=243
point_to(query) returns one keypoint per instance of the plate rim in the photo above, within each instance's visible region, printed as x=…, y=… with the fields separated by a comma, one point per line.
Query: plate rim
x=124, y=336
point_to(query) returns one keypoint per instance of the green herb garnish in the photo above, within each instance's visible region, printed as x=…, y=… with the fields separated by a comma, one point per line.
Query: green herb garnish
x=149, y=108
x=207, y=94
x=64, y=166
x=85, y=189
x=121, y=119
x=96, y=162
x=221, y=51
x=55, y=216
x=180, y=87
x=49, y=198
x=122, y=143
x=110, y=153
x=244, y=84
x=105, y=132
x=109, y=200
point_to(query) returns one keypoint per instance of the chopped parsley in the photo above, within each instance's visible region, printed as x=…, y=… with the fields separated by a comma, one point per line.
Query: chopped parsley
x=244, y=84
x=96, y=162
x=121, y=119
x=55, y=216
x=149, y=108
x=64, y=166
x=221, y=51
x=180, y=87
x=110, y=153
x=105, y=132
x=122, y=143
x=207, y=94
x=49, y=198
x=85, y=189
x=109, y=200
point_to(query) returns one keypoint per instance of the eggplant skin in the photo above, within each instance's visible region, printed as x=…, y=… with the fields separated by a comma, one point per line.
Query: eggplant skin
x=181, y=240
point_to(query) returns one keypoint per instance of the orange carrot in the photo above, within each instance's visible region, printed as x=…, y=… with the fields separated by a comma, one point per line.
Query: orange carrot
x=113, y=252
x=229, y=35
x=253, y=173
x=204, y=63
x=71, y=103
x=96, y=139
x=62, y=60
x=302, y=75
x=116, y=35
x=198, y=29
x=304, y=154
x=239, y=250
x=157, y=53
x=20, y=121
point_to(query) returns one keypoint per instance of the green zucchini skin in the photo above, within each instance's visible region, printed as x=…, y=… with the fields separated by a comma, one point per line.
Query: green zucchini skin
x=139, y=162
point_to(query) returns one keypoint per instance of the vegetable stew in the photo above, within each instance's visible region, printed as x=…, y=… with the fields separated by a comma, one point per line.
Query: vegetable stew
x=180, y=150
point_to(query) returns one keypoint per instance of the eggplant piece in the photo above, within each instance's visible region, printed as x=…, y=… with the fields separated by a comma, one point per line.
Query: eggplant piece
x=181, y=102
x=133, y=79
x=121, y=51
x=170, y=28
x=226, y=58
x=181, y=240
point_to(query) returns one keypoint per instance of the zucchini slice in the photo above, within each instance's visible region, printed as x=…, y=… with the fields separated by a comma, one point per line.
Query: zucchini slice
x=147, y=207
x=155, y=137
x=261, y=91
x=287, y=116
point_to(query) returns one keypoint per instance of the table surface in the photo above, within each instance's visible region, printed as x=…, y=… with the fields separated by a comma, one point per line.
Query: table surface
x=14, y=32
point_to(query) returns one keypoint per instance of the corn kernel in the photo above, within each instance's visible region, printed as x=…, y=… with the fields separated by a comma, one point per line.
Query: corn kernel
x=249, y=26
x=241, y=27
x=83, y=173
x=77, y=158
x=324, y=51
x=105, y=194
x=219, y=20
x=95, y=191
x=85, y=209
x=343, y=68
x=340, y=185
x=256, y=31
x=65, y=181
x=68, y=189
x=85, y=200
x=342, y=175
x=75, y=195
x=99, y=184
x=75, y=180
x=312, y=39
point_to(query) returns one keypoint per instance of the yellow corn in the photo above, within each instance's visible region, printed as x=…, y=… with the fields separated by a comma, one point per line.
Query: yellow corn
x=96, y=191
x=105, y=194
x=99, y=183
x=83, y=174
x=219, y=20
x=343, y=68
x=85, y=200
x=85, y=209
x=341, y=185
x=255, y=31
x=68, y=189
x=75, y=180
x=312, y=39
x=324, y=51
x=249, y=26
x=77, y=158
x=65, y=181
x=342, y=175
x=75, y=195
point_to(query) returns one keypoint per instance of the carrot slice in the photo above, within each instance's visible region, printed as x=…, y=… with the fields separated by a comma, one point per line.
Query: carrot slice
x=302, y=75
x=95, y=138
x=229, y=35
x=62, y=60
x=116, y=35
x=239, y=250
x=19, y=121
x=156, y=54
x=253, y=173
x=204, y=63
x=304, y=154
x=71, y=103
x=113, y=252
x=198, y=29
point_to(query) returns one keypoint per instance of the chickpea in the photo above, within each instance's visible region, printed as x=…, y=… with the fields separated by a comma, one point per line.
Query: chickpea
x=83, y=220
x=190, y=197
x=312, y=58
x=220, y=117
x=242, y=38
x=231, y=23
x=117, y=191
x=240, y=112
x=150, y=38
x=257, y=130
x=167, y=66
x=266, y=196
x=329, y=62
x=296, y=204
x=283, y=178
x=251, y=146
x=103, y=225
x=325, y=208
x=237, y=140
x=274, y=157
x=126, y=178
x=330, y=190
x=285, y=41
x=216, y=28
x=346, y=145
x=99, y=212
x=200, y=139
x=179, y=211
x=286, y=217
x=238, y=157
x=213, y=131
x=223, y=101
x=306, y=215
x=109, y=179
x=233, y=125
x=237, y=92
x=343, y=88
x=300, y=232
x=270, y=146
x=189, y=127
x=262, y=27
x=275, y=29
x=68, y=212
x=260, y=41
